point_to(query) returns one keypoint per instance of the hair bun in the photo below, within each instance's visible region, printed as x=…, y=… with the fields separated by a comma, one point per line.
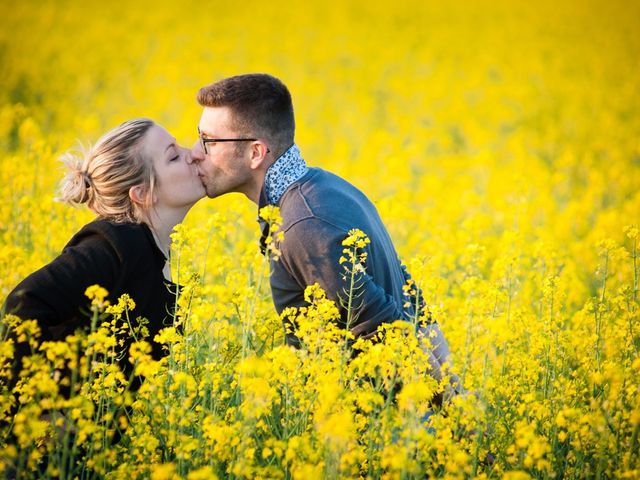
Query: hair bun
x=76, y=187
x=102, y=174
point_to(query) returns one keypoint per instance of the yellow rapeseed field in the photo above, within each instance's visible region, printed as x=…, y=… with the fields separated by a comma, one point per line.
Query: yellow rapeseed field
x=500, y=142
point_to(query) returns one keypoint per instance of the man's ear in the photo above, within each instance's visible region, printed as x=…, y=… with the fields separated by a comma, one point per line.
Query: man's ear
x=258, y=155
x=136, y=194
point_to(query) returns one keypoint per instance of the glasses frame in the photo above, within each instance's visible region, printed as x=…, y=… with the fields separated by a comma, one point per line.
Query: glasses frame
x=204, y=141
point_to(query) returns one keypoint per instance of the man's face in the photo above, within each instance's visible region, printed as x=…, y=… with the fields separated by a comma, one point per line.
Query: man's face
x=225, y=166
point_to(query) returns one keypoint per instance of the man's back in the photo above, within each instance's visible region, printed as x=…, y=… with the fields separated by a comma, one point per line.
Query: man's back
x=318, y=211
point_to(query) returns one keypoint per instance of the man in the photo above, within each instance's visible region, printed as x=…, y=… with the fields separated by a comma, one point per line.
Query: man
x=247, y=145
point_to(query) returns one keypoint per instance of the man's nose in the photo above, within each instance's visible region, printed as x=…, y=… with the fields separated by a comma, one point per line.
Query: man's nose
x=197, y=155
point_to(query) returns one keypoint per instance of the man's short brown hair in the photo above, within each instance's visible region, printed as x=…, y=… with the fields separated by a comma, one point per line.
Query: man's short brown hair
x=261, y=105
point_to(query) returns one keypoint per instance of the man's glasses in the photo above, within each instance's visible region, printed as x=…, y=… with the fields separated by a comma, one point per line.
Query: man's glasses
x=204, y=141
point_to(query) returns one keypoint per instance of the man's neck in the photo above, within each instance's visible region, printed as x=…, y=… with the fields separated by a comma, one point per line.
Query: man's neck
x=253, y=190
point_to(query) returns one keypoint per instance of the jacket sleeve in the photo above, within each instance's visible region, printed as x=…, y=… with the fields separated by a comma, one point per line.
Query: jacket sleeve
x=311, y=252
x=55, y=294
x=416, y=299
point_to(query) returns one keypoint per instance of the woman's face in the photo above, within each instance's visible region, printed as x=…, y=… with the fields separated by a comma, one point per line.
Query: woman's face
x=177, y=182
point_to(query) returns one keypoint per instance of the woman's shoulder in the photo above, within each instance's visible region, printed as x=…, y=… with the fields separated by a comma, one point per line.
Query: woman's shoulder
x=123, y=237
x=115, y=230
x=110, y=227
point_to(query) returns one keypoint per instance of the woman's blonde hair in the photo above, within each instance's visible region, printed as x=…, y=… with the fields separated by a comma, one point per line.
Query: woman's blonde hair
x=102, y=175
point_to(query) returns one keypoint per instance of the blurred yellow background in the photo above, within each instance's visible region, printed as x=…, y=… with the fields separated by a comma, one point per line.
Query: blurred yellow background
x=512, y=114
x=500, y=141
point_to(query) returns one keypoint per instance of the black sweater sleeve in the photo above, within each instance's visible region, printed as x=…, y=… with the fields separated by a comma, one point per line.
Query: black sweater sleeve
x=55, y=294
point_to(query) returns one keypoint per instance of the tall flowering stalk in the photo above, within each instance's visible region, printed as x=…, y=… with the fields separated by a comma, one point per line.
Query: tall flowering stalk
x=353, y=263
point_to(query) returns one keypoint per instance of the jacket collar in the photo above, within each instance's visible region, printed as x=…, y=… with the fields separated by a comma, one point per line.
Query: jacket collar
x=287, y=169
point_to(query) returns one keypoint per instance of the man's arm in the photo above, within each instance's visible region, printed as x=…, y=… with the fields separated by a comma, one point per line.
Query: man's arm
x=311, y=252
x=434, y=344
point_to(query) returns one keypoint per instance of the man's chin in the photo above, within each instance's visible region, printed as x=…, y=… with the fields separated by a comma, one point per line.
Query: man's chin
x=211, y=194
x=216, y=192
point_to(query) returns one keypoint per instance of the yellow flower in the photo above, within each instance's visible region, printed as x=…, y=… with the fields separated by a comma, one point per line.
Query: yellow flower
x=204, y=473
x=97, y=295
x=167, y=336
x=164, y=471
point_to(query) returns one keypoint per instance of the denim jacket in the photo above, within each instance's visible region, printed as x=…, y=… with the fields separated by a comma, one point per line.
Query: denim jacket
x=318, y=210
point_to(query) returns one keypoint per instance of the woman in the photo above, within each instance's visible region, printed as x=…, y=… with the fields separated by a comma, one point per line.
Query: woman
x=140, y=184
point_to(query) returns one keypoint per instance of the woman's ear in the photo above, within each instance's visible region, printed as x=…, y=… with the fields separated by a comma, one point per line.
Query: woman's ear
x=136, y=194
